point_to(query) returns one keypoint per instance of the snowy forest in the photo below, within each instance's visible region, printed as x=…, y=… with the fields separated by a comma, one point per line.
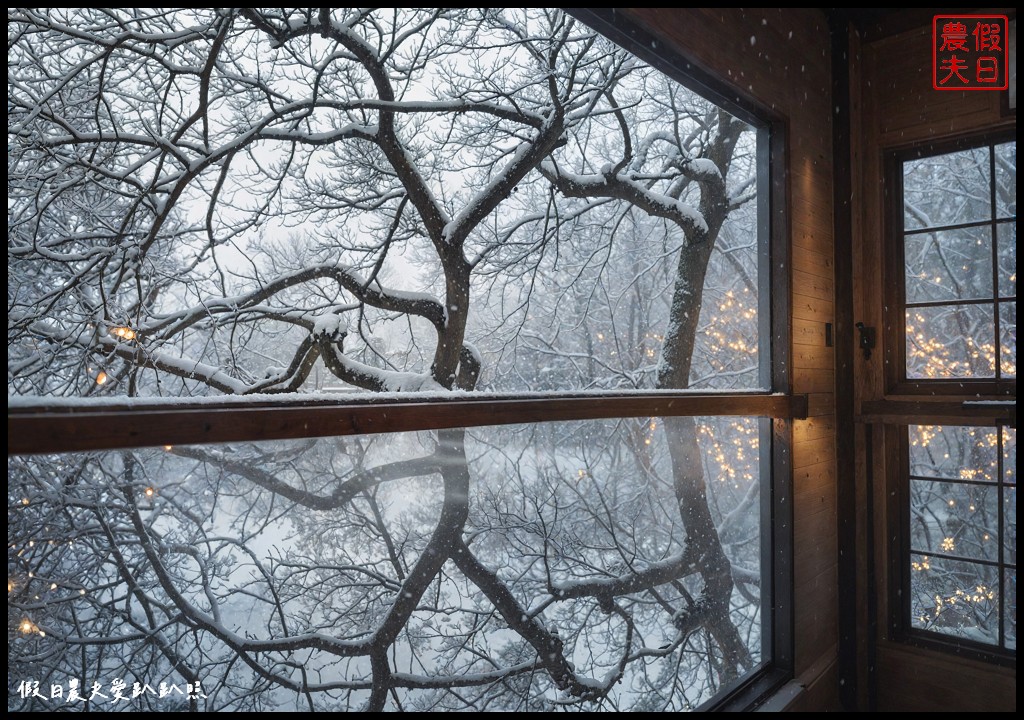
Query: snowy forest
x=272, y=203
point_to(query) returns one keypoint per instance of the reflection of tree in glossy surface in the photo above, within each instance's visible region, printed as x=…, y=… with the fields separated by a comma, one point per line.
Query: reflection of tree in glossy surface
x=570, y=538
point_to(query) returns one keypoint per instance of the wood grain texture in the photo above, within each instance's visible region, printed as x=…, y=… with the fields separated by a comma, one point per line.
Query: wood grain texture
x=812, y=452
x=910, y=110
x=67, y=429
x=806, y=307
x=936, y=411
x=812, y=285
x=816, y=600
x=821, y=404
x=808, y=332
x=814, y=428
x=814, y=356
x=813, y=380
x=813, y=262
x=914, y=679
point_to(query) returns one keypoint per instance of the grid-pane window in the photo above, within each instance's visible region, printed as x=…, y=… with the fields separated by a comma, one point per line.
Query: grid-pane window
x=959, y=231
x=963, y=533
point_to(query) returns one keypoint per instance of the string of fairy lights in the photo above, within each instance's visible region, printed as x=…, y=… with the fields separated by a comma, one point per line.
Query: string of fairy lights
x=121, y=332
x=21, y=585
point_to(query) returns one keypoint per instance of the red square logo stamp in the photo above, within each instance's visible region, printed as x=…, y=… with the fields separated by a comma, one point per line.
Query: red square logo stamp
x=969, y=52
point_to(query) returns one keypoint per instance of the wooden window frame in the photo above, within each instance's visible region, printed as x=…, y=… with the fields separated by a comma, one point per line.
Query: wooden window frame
x=894, y=320
x=982, y=402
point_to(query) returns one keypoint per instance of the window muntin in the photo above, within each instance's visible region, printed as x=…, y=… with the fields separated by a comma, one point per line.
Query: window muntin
x=959, y=264
x=951, y=334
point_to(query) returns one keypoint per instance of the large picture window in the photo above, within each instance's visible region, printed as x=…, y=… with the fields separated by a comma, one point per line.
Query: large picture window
x=390, y=360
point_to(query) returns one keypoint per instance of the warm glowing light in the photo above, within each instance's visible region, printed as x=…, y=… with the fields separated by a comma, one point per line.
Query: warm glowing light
x=168, y=448
x=53, y=586
x=125, y=333
x=102, y=378
x=948, y=545
x=923, y=565
x=25, y=501
x=150, y=492
x=27, y=626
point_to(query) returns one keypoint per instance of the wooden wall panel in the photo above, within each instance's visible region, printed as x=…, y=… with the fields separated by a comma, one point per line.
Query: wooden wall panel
x=814, y=428
x=813, y=263
x=813, y=380
x=909, y=681
x=813, y=482
x=814, y=356
x=811, y=308
x=811, y=285
x=780, y=57
x=819, y=694
x=909, y=108
x=807, y=332
x=816, y=598
x=894, y=105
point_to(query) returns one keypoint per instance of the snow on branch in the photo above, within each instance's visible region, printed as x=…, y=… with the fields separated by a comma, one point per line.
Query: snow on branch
x=622, y=188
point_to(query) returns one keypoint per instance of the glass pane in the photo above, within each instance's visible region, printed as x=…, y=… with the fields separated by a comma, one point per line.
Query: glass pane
x=1008, y=339
x=332, y=273
x=1010, y=620
x=955, y=341
x=498, y=562
x=947, y=189
x=954, y=452
x=1010, y=455
x=954, y=519
x=949, y=265
x=1010, y=525
x=1007, y=249
x=1006, y=179
x=955, y=598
